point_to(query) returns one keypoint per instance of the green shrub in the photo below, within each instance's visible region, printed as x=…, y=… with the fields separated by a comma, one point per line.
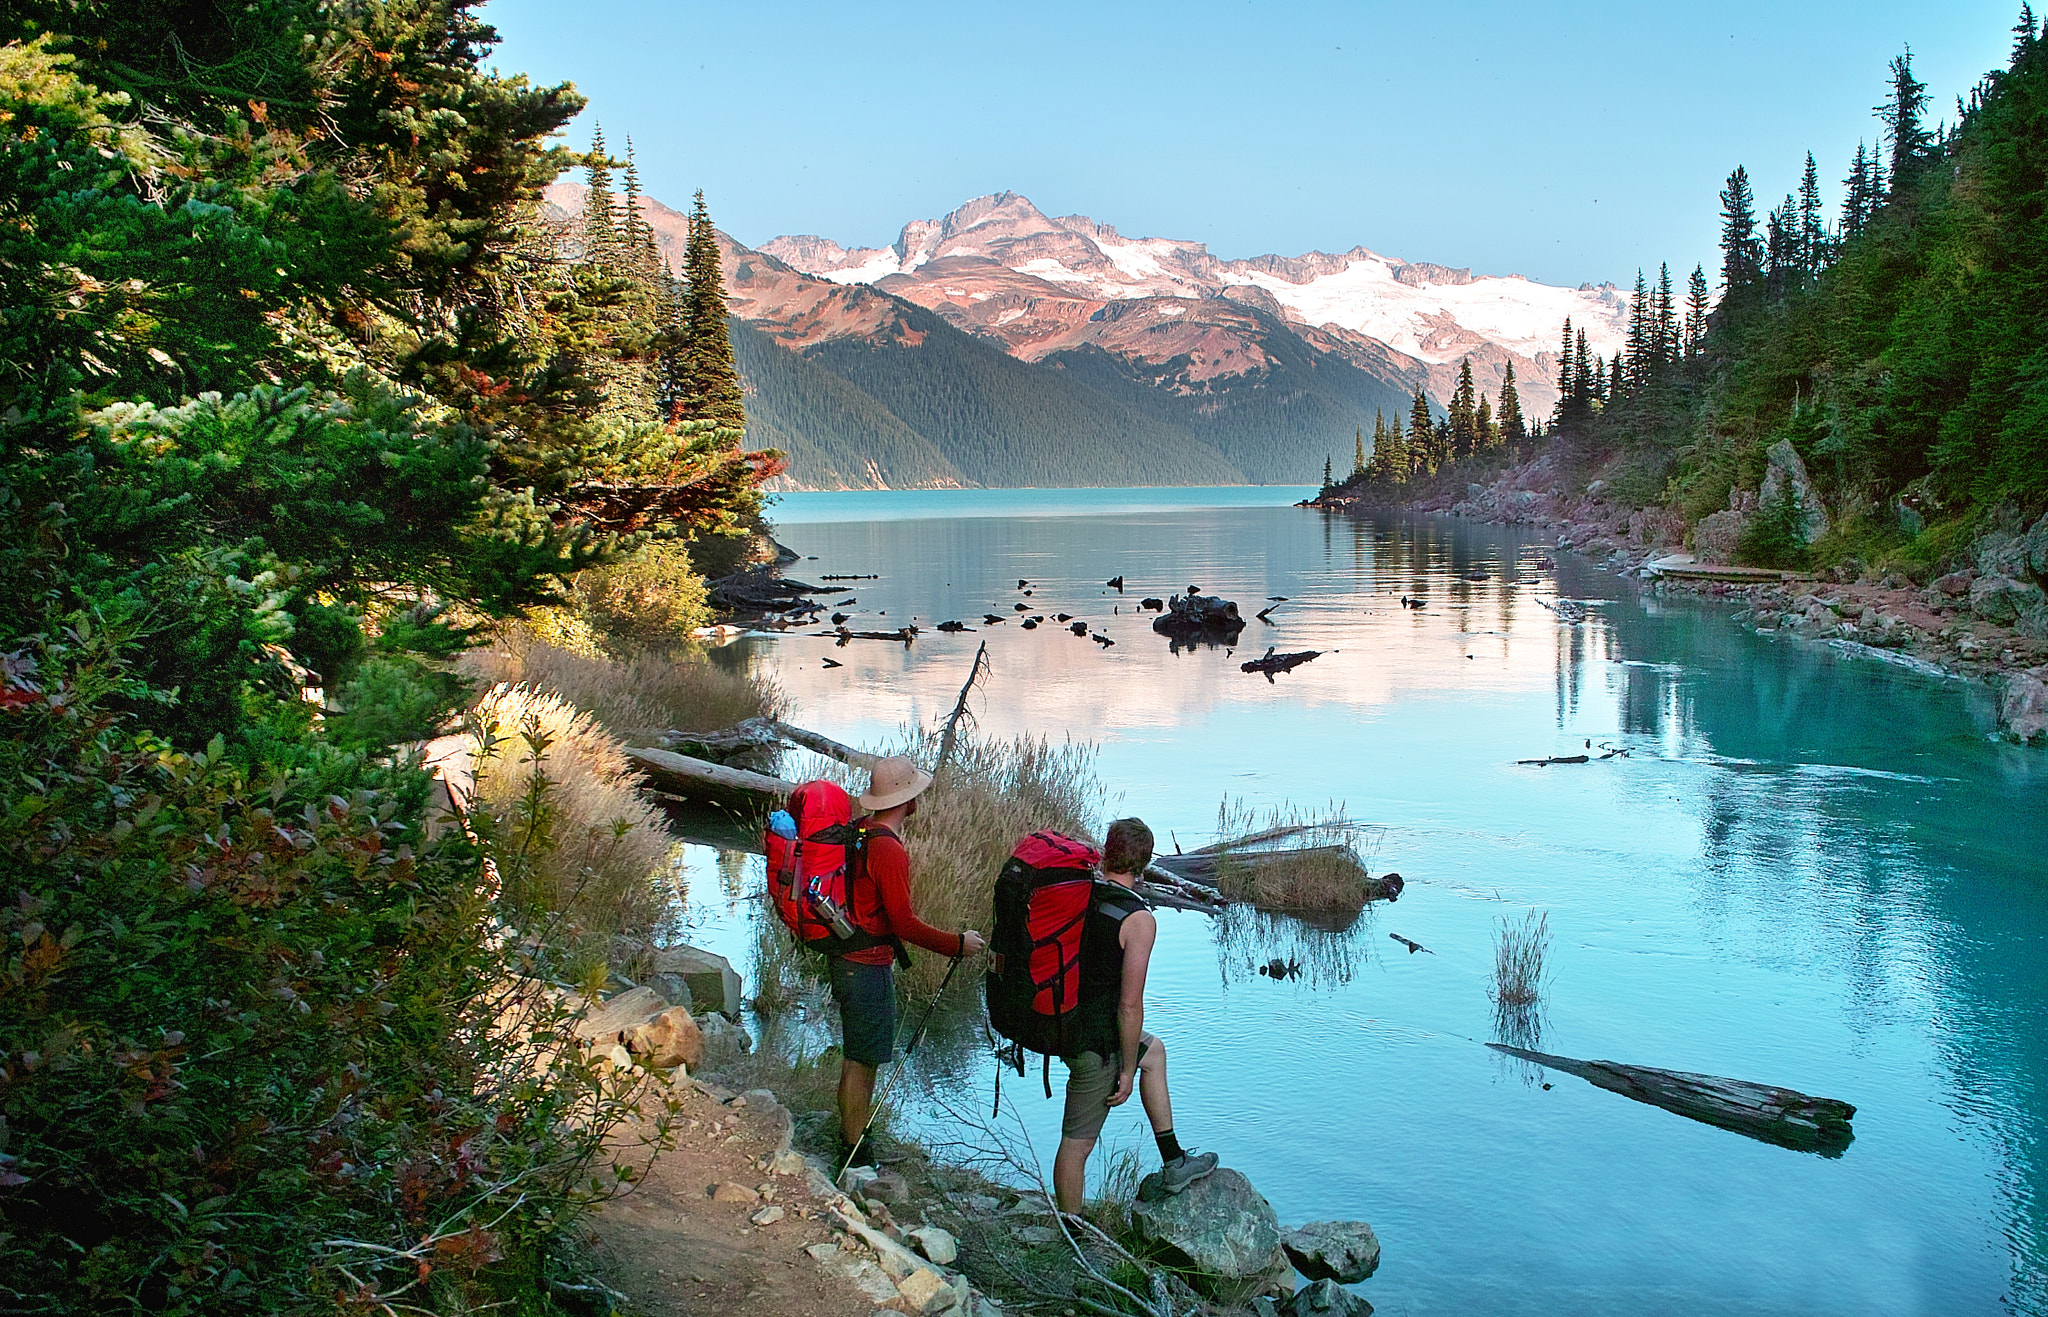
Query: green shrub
x=653, y=597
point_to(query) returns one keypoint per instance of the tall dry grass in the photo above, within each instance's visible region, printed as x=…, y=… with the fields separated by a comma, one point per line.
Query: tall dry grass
x=583, y=855
x=631, y=695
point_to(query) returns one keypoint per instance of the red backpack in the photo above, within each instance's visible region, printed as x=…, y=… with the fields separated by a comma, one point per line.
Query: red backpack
x=1043, y=896
x=814, y=850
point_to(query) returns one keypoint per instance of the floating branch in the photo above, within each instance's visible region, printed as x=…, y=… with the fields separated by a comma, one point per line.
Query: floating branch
x=1273, y=662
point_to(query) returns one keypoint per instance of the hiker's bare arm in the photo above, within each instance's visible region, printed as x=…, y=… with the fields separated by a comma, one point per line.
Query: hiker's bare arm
x=1139, y=931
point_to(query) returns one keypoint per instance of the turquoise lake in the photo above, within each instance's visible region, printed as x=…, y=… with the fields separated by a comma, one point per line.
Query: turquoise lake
x=1812, y=868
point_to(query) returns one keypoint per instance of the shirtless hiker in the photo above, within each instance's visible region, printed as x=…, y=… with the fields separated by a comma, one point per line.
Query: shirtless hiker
x=1115, y=1051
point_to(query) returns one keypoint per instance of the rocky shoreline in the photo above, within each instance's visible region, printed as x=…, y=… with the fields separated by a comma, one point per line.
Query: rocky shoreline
x=1985, y=620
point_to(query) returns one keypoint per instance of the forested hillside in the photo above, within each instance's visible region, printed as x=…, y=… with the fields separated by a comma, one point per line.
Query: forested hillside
x=831, y=433
x=1001, y=421
x=1899, y=350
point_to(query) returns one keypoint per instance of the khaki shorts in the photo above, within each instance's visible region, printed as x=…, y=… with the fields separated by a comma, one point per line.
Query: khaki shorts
x=1091, y=1082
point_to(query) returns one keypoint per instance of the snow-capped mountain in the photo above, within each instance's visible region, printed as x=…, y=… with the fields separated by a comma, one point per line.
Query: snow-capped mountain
x=1000, y=266
x=998, y=346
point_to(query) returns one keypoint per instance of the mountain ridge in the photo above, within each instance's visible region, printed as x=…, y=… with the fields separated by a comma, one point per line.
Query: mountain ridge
x=999, y=345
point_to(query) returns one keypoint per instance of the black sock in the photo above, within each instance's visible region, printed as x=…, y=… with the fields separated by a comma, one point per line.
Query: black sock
x=1169, y=1146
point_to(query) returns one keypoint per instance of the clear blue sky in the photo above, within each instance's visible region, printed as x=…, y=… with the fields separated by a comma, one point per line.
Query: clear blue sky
x=1566, y=143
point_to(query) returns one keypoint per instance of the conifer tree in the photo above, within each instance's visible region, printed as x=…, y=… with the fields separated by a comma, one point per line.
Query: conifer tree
x=1696, y=311
x=1640, y=320
x=1422, y=455
x=1514, y=432
x=1586, y=385
x=711, y=385
x=1463, y=415
x=1813, y=235
x=1566, y=373
x=2023, y=32
x=1856, y=193
x=1666, y=337
x=1395, y=466
x=642, y=258
x=600, y=224
x=1902, y=114
x=1488, y=435
x=1358, y=451
x=1779, y=231
x=1327, y=486
x=1742, y=257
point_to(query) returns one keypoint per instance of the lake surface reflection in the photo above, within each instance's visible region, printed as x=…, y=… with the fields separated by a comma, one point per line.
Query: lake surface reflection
x=1810, y=869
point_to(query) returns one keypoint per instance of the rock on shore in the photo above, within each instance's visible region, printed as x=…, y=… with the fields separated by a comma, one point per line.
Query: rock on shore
x=1221, y=1228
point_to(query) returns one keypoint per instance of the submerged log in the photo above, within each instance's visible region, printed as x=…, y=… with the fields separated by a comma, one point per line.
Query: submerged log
x=1273, y=662
x=700, y=779
x=1782, y=1116
x=1559, y=759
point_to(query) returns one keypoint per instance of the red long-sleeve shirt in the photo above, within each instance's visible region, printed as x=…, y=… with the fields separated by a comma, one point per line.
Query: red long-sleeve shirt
x=881, y=904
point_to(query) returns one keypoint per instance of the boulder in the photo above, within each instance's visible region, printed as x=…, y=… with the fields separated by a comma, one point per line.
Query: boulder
x=712, y=983
x=666, y=1040
x=1786, y=477
x=2018, y=604
x=723, y=1040
x=1955, y=585
x=1219, y=1227
x=1326, y=1298
x=2036, y=545
x=936, y=1244
x=1715, y=536
x=2023, y=706
x=1344, y=1251
x=1199, y=617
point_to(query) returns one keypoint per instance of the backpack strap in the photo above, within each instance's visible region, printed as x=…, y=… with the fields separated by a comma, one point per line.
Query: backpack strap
x=857, y=867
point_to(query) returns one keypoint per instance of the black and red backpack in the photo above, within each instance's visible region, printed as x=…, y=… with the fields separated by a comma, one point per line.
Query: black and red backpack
x=1044, y=894
x=815, y=854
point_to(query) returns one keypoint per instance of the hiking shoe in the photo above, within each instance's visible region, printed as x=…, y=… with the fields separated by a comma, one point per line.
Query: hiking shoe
x=861, y=1155
x=1184, y=1170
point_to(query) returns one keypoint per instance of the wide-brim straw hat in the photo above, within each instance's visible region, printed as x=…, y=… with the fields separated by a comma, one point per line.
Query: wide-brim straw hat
x=893, y=781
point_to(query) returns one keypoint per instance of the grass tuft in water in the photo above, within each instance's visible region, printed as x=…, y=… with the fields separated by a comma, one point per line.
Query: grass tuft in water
x=1519, y=948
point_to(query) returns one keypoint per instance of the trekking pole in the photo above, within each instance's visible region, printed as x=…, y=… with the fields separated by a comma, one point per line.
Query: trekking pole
x=875, y=1106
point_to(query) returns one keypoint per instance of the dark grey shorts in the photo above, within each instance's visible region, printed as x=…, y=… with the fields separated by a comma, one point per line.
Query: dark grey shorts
x=867, y=1010
x=1091, y=1082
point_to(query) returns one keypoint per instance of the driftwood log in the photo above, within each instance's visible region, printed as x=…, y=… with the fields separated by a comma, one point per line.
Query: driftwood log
x=1559, y=759
x=1773, y=1115
x=823, y=745
x=1273, y=662
x=700, y=779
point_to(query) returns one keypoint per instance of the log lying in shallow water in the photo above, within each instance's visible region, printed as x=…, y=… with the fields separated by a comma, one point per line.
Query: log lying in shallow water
x=1782, y=1116
x=1273, y=662
x=700, y=779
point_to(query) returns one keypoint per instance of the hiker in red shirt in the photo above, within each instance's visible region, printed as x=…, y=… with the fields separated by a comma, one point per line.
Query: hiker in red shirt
x=864, y=982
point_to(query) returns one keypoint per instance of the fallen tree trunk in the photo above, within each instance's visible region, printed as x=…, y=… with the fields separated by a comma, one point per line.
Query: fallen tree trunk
x=1782, y=1116
x=1560, y=759
x=752, y=735
x=700, y=779
x=1164, y=887
x=823, y=745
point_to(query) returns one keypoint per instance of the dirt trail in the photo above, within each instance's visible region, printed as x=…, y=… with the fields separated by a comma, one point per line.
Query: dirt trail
x=678, y=1252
